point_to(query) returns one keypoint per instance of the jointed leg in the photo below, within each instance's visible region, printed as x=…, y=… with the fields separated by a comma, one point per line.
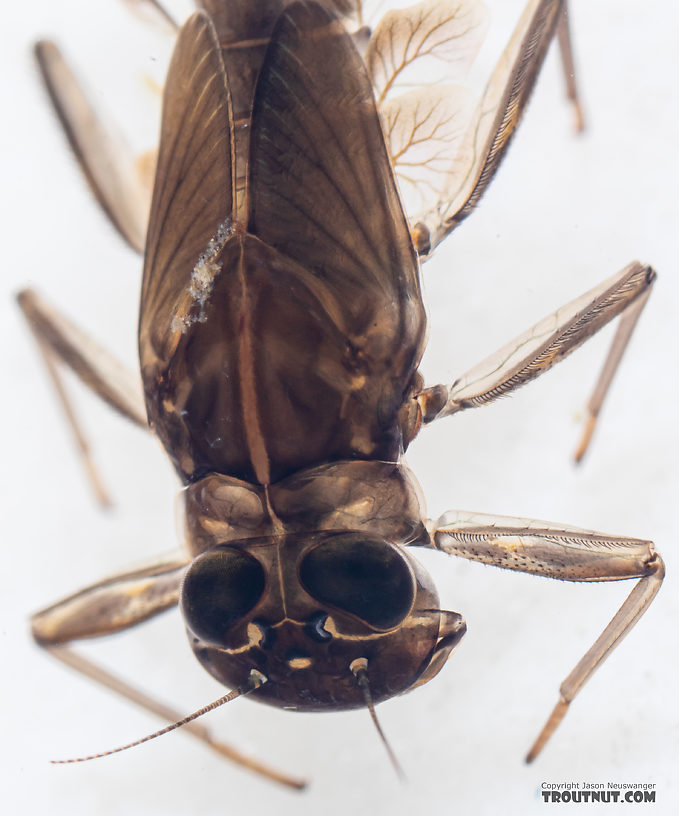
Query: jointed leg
x=105, y=159
x=563, y=34
x=495, y=120
x=628, y=321
x=60, y=342
x=160, y=13
x=116, y=604
x=538, y=349
x=566, y=553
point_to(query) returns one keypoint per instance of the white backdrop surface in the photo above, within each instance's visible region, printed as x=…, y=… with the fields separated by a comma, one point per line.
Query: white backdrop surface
x=564, y=213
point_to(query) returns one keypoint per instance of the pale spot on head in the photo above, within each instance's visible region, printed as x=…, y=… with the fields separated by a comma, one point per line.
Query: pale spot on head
x=255, y=634
x=300, y=662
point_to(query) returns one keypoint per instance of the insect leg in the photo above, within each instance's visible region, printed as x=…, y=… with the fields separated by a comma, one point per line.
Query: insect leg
x=62, y=342
x=159, y=11
x=122, y=189
x=114, y=605
x=566, y=553
x=563, y=34
x=111, y=605
x=538, y=349
x=493, y=123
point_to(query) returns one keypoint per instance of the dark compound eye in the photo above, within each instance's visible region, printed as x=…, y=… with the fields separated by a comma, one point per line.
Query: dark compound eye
x=365, y=577
x=219, y=588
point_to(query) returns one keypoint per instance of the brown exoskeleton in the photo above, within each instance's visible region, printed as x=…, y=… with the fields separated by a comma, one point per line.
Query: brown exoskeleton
x=280, y=333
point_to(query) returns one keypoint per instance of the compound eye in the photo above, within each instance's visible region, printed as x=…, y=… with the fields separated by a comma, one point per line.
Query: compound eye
x=220, y=587
x=363, y=576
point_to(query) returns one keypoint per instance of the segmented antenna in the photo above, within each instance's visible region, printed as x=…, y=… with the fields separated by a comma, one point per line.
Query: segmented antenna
x=255, y=680
x=359, y=668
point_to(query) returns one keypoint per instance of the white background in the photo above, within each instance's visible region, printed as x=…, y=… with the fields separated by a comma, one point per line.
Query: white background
x=563, y=213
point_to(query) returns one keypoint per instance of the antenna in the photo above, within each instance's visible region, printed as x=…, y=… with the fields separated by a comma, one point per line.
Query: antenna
x=359, y=668
x=255, y=680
